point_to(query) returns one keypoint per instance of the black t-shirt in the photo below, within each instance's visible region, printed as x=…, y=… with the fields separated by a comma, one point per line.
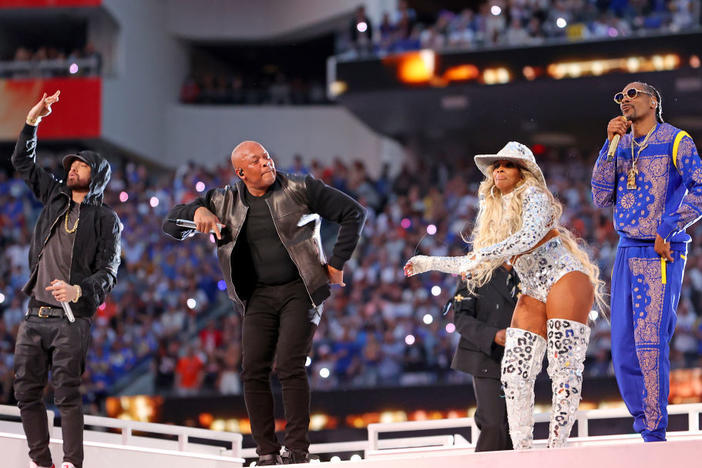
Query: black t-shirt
x=271, y=262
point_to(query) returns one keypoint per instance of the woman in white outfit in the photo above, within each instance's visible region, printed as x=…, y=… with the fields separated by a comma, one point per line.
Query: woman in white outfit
x=518, y=223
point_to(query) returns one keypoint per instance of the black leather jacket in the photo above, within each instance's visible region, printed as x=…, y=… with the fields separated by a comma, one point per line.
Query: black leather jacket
x=296, y=209
x=97, y=248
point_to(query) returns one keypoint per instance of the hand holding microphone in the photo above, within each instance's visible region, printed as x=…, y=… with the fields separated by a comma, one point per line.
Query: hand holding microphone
x=617, y=127
x=203, y=221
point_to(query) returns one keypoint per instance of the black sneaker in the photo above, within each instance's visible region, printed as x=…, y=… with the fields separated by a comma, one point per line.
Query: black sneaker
x=269, y=459
x=291, y=457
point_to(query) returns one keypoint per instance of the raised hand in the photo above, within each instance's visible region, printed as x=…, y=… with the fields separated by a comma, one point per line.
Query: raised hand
x=43, y=107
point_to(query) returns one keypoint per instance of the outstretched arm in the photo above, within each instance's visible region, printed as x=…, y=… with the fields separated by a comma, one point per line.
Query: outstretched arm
x=454, y=265
x=24, y=159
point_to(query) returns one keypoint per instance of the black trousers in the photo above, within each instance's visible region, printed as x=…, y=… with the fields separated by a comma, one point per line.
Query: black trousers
x=54, y=344
x=278, y=324
x=491, y=415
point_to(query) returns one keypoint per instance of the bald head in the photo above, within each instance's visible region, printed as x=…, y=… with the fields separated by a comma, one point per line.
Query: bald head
x=254, y=166
x=244, y=150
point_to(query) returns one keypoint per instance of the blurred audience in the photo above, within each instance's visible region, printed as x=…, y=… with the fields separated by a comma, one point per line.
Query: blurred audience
x=168, y=312
x=279, y=90
x=519, y=23
x=47, y=62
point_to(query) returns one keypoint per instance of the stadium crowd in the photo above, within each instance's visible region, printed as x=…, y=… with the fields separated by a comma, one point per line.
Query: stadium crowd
x=49, y=61
x=168, y=312
x=516, y=22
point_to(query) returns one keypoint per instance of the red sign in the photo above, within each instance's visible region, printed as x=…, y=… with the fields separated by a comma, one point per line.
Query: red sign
x=48, y=3
x=75, y=115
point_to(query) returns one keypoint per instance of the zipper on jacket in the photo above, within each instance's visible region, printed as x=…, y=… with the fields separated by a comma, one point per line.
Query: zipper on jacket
x=68, y=207
x=291, y=257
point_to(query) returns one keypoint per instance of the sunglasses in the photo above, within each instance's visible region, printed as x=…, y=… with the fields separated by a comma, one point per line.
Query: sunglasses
x=631, y=93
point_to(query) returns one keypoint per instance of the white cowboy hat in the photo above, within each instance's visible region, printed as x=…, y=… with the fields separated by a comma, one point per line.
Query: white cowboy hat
x=512, y=151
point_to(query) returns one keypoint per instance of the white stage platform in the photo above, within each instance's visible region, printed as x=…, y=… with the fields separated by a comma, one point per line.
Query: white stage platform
x=148, y=448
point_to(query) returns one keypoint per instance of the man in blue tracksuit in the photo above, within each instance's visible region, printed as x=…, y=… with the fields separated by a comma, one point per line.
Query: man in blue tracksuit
x=654, y=182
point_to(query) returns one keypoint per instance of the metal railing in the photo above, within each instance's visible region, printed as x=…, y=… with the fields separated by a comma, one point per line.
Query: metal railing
x=127, y=428
x=693, y=410
x=374, y=443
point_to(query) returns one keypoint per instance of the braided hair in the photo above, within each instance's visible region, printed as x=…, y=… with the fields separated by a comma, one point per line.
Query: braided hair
x=659, y=101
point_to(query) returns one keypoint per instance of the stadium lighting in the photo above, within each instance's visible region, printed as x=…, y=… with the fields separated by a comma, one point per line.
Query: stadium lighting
x=431, y=229
x=671, y=61
x=529, y=73
x=574, y=70
x=409, y=340
x=694, y=61
x=450, y=328
x=417, y=67
x=406, y=223
x=561, y=22
x=597, y=67
x=2, y=298
x=502, y=75
x=495, y=10
x=593, y=315
x=123, y=196
x=200, y=186
x=191, y=303
x=308, y=361
x=324, y=373
x=436, y=291
x=362, y=26
x=338, y=87
x=427, y=319
x=153, y=202
x=73, y=68
x=632, y=64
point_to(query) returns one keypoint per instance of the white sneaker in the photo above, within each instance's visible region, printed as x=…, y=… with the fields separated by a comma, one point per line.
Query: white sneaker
x=68, y=465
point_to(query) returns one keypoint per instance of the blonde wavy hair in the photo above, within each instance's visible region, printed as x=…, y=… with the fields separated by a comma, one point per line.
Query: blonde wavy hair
x=494, y=223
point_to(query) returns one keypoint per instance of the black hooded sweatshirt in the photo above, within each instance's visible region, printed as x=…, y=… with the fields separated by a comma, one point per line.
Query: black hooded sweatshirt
x=96, y=251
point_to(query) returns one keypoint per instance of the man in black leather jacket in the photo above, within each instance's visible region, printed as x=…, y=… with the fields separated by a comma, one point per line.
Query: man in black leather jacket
x=73, y=257
x=271, y=256
x=481, y=320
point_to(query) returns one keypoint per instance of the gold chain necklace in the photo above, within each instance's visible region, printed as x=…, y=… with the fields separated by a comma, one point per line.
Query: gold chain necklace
x=633, y=171
x=65, y=223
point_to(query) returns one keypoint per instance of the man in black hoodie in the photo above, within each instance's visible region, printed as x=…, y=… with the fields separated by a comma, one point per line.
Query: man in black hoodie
x=73, y=257
x=271, y=256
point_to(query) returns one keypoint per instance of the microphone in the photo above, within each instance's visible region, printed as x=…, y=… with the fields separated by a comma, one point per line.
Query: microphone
x=614, y=144
x=186, y=223
x=68, y=312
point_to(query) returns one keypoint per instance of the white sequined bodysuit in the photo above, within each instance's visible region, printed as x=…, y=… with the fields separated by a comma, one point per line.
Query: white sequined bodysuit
x=538, y=270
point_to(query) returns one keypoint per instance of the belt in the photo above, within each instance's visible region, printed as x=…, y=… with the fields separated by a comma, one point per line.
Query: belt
x=45, y=312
